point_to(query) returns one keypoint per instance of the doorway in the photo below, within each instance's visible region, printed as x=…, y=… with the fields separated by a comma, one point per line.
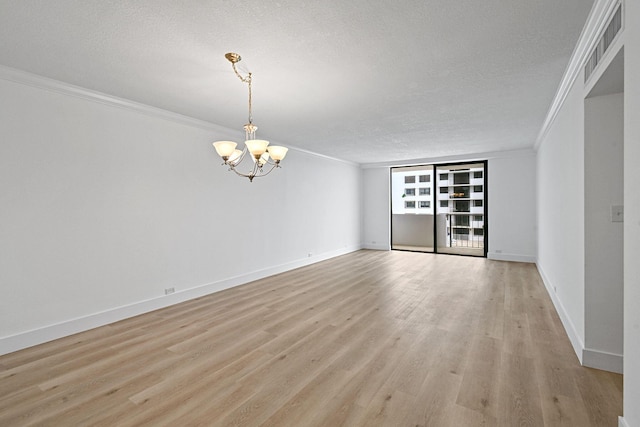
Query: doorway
x=603, y=219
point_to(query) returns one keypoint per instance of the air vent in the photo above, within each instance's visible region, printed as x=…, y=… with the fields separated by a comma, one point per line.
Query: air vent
x=603, y=44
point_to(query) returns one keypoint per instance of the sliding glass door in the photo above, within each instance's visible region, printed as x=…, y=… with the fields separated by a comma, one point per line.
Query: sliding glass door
x=461, y=209
x=412, y=208
x=440, y=208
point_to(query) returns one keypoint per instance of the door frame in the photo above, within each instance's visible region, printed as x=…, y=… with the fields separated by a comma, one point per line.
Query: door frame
x=436, y=206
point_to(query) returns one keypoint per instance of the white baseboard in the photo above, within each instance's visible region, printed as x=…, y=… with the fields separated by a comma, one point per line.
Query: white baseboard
x=511, y=257
x=602, y=360
x=73, y=326
x=622, y=422
x=375, y=247
x=574, y=338
x=588, y=357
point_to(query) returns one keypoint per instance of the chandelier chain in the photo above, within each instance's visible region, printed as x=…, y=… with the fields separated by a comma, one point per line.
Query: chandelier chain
x=250, y=103
x=246, y=80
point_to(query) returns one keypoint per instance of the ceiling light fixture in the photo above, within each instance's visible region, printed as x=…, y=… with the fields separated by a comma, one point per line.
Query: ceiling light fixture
x=257, y=149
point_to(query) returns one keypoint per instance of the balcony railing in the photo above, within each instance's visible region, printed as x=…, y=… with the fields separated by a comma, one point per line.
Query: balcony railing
x=464, y=232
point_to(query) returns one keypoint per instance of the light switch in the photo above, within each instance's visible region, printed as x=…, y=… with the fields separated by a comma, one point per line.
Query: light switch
x=617, y=213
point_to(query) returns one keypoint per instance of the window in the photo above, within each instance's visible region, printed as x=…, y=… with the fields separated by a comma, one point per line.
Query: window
x=477, y=217
x=425, y=204
x=462, y=220
x=444, y=176
x=478, y=232
x=444, y=203
x=410, y=191
x=477, y=203
x=477, y=174
x=461, y=206
x=461, y=231
x=477, y=188
x=424, y=191
x=444, y=190
x=461, y=178
x=425, y=178
x=409, y=205
x=409, y=179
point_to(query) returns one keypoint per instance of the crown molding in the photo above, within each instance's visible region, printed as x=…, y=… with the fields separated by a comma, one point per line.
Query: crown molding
x=595, y=25
x=40, y=82
x=51, y=85
x=488, y=155
x=323, y=156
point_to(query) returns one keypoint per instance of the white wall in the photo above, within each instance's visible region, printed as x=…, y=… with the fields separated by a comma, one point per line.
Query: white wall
x=516, y=241
x=579, y=179
x=603, y=238
x=561, y=215
x=512, y=209
x=103, y=207
x=632, y=214
x=556, y=148
x=376, y=208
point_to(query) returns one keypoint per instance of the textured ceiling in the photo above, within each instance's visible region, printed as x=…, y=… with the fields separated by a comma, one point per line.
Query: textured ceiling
x=366, y=81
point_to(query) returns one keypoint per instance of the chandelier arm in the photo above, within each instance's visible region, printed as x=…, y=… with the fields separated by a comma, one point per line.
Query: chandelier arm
x=250, y=175
x=232, y=168
x=242, y=156
x=269, y=171
x=256, y=172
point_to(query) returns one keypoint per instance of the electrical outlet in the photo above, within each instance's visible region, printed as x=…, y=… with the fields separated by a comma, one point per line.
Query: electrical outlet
x=168, y=291
x=309, y=255
x=617, y=213
x=498, y=251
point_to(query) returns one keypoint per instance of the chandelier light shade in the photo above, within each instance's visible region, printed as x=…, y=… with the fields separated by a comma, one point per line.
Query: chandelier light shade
x=265, y=158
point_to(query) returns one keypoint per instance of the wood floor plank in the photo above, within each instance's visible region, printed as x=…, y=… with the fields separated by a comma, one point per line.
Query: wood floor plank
x=479, y=389
x=596, y=389
x=435, y=404
x=367, y=339
x=519, y=400
x=565, y=411
x=177, y=400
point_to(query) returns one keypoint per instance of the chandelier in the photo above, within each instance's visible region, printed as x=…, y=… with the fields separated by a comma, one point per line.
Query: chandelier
x=265, y=158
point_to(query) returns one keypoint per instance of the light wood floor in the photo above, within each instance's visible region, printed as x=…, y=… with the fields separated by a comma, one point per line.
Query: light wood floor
x=366, y=339
x=457, y=250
